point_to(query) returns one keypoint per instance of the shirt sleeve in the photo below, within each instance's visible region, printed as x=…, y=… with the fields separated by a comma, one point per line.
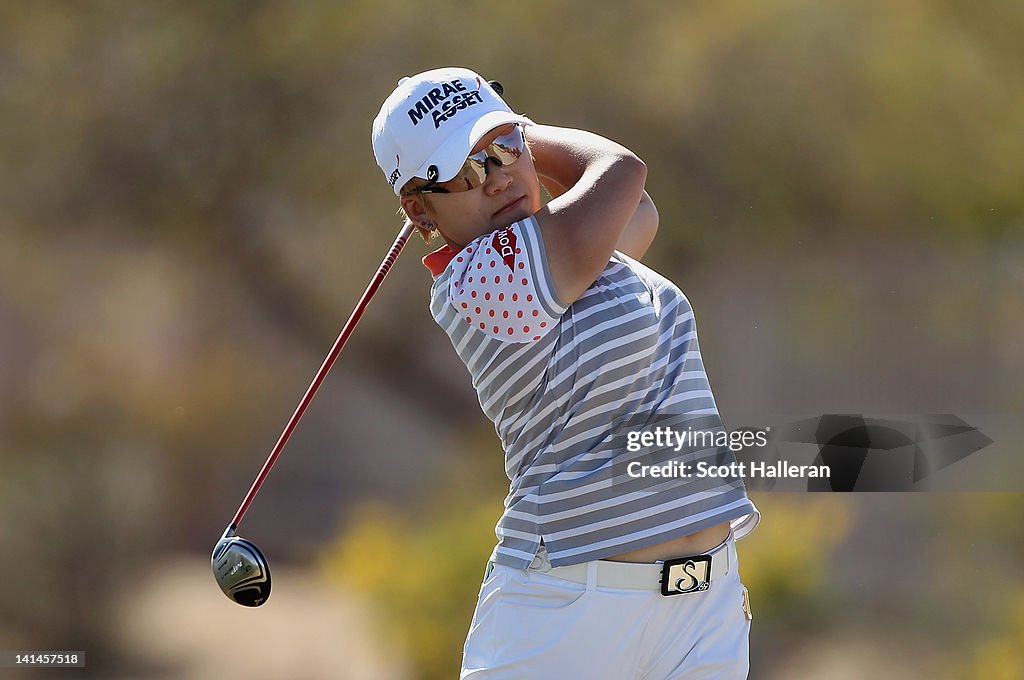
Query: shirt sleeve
x=501, y=286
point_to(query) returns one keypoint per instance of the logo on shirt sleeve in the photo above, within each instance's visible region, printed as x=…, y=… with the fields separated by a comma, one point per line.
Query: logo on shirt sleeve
x=504, y=243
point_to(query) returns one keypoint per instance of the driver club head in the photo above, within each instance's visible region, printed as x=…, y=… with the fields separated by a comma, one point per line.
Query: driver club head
x=241, y=571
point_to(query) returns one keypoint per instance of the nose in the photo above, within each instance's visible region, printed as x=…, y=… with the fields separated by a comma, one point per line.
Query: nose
x=498, y=178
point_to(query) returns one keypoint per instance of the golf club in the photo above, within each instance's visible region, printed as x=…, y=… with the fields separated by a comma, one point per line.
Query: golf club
x=240, y=568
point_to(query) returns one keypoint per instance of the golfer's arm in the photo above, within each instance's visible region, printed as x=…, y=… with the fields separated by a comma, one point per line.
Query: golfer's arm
x=641, y=229
x=639, y=232
x=582, y=226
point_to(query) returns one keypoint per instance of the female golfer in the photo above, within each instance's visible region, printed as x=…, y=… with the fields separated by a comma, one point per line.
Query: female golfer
x=615, y=559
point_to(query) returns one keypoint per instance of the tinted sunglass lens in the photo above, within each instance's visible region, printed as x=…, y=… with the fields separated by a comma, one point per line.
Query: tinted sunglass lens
x=504, y=150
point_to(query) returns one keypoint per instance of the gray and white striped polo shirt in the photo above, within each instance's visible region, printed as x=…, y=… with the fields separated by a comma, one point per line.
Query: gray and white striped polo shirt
x=564, y=385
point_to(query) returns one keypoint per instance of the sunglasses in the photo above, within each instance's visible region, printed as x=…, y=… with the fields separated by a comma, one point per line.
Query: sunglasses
x=504, y=150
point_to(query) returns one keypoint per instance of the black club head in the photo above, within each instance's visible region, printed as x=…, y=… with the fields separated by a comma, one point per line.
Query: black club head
x=241, y=571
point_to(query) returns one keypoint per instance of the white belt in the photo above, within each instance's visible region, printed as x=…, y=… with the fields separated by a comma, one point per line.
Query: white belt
x=671, y=577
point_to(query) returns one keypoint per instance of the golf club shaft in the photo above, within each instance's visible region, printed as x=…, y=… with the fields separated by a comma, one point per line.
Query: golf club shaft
x=346, y=331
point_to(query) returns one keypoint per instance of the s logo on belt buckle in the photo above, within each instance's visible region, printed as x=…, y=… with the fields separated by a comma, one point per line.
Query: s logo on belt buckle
x=686, y=575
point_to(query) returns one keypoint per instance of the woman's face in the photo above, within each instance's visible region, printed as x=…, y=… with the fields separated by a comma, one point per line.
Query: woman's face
x=508, y=194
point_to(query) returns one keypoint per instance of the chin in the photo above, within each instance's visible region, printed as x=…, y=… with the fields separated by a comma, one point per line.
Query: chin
x=517, y=215
x=503, y=221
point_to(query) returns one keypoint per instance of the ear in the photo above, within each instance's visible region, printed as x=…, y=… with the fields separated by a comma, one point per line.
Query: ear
x=416, y=209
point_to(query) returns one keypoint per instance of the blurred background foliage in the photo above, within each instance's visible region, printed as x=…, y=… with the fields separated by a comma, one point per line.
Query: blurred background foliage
x=189, y=208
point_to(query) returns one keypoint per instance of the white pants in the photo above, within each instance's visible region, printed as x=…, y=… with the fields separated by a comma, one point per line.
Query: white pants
x=529, y=625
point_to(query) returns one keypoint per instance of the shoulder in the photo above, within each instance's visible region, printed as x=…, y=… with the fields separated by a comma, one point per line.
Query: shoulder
x=501, y=286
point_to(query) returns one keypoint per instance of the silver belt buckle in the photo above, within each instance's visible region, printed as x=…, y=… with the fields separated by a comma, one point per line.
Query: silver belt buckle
x=686, y=575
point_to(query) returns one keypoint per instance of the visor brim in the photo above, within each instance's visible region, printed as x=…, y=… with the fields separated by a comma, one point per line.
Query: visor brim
x=450, y=156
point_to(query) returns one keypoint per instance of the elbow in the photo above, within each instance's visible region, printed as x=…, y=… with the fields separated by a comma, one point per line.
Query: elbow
x=626, y=175
x=636, y=169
